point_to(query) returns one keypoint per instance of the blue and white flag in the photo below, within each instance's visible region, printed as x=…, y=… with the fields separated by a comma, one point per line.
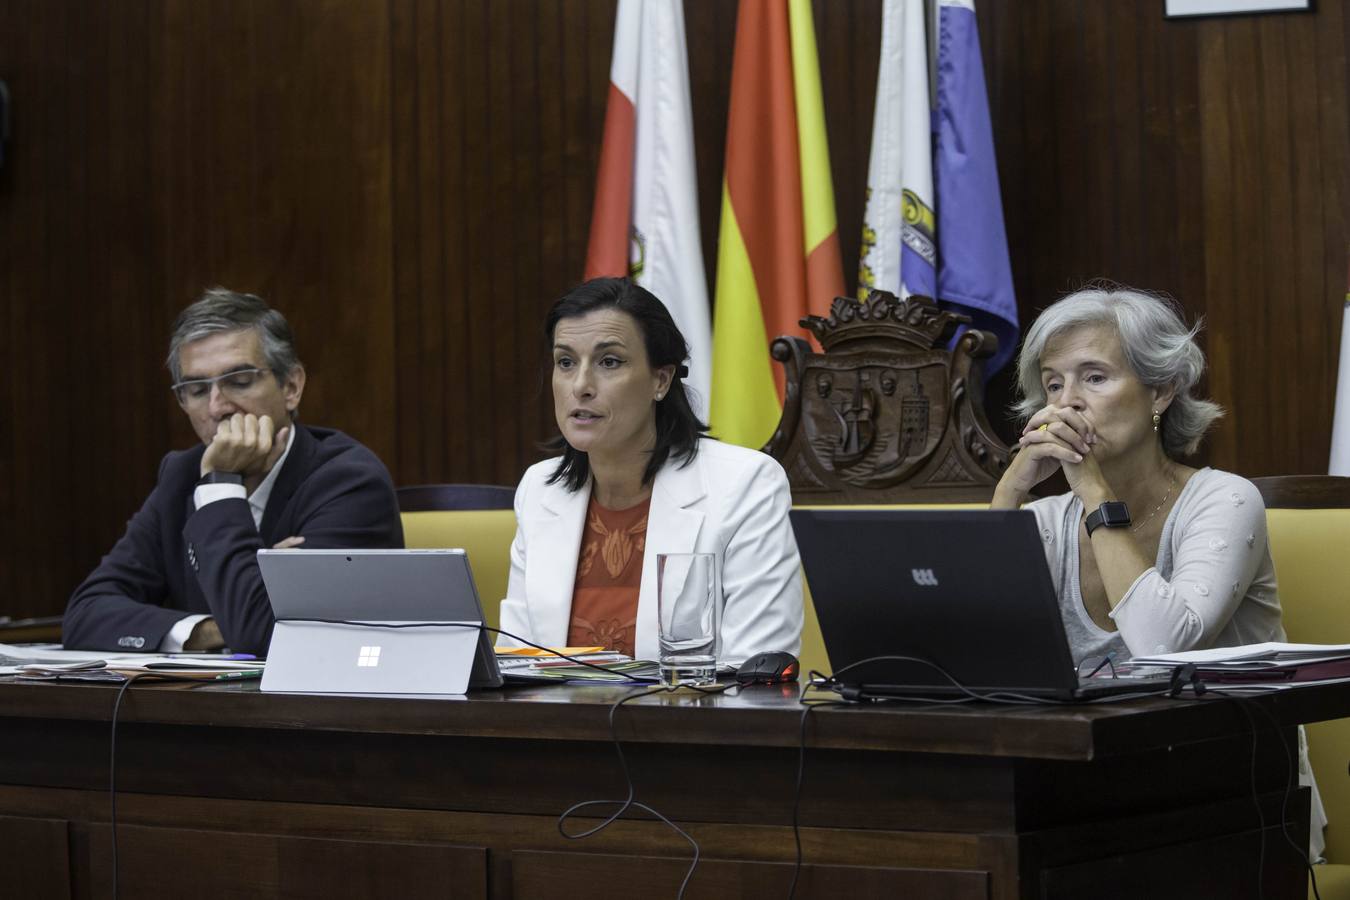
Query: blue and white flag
x=974, y=273
x=899, y=251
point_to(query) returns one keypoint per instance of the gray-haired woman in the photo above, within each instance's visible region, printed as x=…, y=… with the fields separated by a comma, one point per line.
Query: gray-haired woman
x=1148, y=555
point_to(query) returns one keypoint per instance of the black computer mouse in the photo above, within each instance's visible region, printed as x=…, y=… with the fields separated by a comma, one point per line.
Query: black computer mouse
x=769, y=667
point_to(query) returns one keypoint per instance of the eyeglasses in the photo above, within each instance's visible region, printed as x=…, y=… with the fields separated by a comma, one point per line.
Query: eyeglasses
x=234, y=385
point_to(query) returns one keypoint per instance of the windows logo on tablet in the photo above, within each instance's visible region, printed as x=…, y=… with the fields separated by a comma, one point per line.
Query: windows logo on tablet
x=369, y=656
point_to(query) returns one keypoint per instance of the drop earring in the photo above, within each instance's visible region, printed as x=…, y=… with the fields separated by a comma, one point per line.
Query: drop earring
x=1157, y=418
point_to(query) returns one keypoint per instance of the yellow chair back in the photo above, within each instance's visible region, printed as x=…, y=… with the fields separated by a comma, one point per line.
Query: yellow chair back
x=1312, y=566
x=485, y=534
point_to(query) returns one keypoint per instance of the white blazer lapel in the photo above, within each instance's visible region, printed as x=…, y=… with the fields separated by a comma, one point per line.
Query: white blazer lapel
x=673, y=526
x=554, y=541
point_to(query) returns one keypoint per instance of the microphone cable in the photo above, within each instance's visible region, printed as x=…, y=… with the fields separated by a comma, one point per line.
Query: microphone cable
x=630, y=802
x=623, y=805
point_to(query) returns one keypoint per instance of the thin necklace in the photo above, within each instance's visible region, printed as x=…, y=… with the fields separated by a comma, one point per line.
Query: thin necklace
x=1171, y=483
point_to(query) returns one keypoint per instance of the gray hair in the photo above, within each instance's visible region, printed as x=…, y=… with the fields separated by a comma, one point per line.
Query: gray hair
x=1157, y=345
x=219, y=310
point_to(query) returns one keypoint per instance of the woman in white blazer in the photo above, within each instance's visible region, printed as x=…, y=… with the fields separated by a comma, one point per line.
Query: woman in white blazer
x=630, y=439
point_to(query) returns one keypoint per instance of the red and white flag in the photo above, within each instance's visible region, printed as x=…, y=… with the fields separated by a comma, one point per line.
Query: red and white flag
x=645, y=221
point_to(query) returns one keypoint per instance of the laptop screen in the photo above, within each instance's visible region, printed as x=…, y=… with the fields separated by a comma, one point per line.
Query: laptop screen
x=968, y=591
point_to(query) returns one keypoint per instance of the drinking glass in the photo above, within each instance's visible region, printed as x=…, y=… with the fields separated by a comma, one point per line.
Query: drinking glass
x=689, y=617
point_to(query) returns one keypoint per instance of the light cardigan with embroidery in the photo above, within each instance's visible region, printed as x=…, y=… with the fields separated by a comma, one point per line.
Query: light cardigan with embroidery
x=1212, y=585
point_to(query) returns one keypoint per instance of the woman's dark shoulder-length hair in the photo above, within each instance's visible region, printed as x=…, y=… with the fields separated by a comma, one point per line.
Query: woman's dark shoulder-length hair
x=678, y=428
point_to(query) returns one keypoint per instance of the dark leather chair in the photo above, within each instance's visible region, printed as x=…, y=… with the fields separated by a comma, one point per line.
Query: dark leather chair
x=1304, y=491
x=444, y=497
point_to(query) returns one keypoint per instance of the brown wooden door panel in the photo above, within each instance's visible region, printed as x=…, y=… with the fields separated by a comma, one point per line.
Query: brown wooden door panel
x=35, y=858
x=600, y=876
x=1225, y=866
x=206, y=865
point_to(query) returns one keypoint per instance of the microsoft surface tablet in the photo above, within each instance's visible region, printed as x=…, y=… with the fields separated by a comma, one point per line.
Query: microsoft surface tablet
x=330, y=605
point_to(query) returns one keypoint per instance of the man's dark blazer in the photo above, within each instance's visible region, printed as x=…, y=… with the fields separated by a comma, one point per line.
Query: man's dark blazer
x=176, y=560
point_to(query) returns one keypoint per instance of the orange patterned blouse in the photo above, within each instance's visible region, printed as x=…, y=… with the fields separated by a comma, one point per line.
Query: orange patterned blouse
x=609, y=576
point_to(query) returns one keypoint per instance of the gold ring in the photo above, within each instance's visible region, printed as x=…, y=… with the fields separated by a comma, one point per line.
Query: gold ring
x=1045, y=427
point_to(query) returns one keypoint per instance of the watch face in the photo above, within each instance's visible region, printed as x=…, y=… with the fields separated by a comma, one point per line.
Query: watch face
x=1115, y=514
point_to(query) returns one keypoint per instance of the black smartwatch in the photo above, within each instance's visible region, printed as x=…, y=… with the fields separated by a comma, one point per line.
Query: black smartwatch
x=1111, y=514
x=221, y=478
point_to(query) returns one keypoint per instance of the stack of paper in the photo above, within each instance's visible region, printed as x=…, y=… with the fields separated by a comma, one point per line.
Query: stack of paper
x=1273, y=663
x=43, y=663
x=527, y=664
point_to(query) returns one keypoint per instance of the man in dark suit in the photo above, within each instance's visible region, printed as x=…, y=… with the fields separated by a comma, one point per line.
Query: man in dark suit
x=185, y=575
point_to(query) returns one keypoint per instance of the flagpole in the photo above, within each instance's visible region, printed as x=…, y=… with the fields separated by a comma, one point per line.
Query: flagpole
x=1340, y=419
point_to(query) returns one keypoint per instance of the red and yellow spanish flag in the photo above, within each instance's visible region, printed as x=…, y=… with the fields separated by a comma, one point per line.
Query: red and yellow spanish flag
x=778, y=254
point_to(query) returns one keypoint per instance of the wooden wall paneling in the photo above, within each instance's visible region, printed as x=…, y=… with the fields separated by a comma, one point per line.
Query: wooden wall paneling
x=1278, y=297
x=1313, y=282
x=411, y=181
x=1327, y=189
x=557, y=240
x=142, y=405
x=419, y=262
x=1238, y=76
x=1219, y=228
x=529, y=295
x=8, y=350
x=1172, y=130
x=82, y=388
x=848, y=38
x=451, y=75
x=1094, y=113
x=1256, y=61
x=485, y=284
x=1132, y=248
x=1025, y=63
x=275, y=128
x=503, y=64
x=446, y=74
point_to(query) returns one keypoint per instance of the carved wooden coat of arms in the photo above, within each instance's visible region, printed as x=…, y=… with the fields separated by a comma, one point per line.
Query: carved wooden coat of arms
x=887, y=414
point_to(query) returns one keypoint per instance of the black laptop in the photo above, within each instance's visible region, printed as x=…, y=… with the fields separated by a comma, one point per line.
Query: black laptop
x=966, y=593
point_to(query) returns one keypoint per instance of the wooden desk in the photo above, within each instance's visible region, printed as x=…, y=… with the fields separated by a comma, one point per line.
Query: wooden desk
x=227, y=792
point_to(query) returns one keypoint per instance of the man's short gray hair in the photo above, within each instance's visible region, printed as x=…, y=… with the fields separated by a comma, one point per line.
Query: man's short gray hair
x=1157, y=345
x=219, y=310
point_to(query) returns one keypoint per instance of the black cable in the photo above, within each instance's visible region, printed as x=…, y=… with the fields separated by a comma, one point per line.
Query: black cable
x=1291, y=783
x=801, y=774
x=630, y=802
x=112, y=777
x=966, y=695
x=1291, y=767
x=820, y=681
x=477, y=627
x=1174, y=691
